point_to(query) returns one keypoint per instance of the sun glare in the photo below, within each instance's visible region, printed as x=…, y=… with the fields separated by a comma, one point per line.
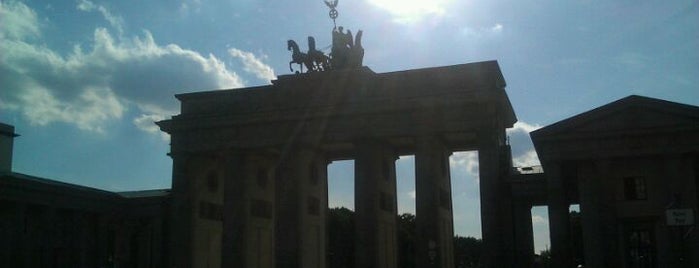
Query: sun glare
x=407, y=11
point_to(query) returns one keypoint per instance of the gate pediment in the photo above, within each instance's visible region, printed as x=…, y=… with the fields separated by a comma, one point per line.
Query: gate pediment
x=630, y=114
x=634, y=125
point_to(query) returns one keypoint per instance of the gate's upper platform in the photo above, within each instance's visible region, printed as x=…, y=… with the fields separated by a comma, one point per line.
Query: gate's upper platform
x=342, y=106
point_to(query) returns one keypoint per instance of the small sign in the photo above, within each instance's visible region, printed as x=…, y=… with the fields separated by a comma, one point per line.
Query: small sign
x=680, y=217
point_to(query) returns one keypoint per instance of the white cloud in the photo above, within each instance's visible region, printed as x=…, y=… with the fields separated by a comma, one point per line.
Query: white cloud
x=90, y=108
x=18, y=21
x=146, y=122
x=539, y=220
x=471, y=32
x=465, y=160
x=115, y=21
x=412, y=11
x=497, y=28
x=90, y=89
x=253, y=64
x=523, y=126
x=523, y=153
x=528, y=159
x=412, y=194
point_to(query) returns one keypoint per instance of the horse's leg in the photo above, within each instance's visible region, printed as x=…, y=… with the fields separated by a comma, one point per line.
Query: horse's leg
x=291, y=69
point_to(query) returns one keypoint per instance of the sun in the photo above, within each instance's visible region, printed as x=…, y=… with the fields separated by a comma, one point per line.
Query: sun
x=408, y=11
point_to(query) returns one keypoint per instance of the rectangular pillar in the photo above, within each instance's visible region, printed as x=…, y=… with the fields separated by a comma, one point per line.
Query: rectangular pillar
x=496, y=218
x=301, y=210
x=375, y=206
x=524, y=236
x=595, y=209
x=559, y=219
x=248, y=210
x=181, y=213
x=434, y=220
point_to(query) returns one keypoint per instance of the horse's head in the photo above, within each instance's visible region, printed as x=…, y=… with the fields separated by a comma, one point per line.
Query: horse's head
x=290, y=44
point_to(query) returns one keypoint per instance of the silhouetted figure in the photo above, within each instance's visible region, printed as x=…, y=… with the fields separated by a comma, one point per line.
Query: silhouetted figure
x=347, y=41
x=339, y=50
x=346, y=52
x=356, y=56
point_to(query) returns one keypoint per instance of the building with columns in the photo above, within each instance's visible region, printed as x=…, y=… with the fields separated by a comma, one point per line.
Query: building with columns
x=249, y=186
x=259, y=156
x=633, y=167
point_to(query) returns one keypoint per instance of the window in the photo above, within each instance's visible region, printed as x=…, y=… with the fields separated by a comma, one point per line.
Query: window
x=635, y=188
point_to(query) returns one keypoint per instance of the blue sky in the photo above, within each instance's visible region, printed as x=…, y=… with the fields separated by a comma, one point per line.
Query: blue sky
x=82, y=81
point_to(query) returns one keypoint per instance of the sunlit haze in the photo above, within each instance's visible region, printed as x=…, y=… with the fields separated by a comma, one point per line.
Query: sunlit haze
x=83, y=81
x=411, y=11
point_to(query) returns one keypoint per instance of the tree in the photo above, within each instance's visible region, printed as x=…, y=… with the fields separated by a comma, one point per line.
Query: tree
x=543, y=259
x=406, y=240
x=340, y=238
x=467, y=252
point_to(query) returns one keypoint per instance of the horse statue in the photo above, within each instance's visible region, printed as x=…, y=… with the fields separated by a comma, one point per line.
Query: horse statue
x=298, y=57
x=321, y=62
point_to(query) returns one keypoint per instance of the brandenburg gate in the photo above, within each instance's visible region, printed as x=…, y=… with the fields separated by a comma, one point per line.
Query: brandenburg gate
x=250, y=176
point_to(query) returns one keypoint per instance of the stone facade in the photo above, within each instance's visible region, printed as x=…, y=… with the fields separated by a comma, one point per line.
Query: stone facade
x=250, y=180
x=627, y=164
x=46, y=223
x=293, y=128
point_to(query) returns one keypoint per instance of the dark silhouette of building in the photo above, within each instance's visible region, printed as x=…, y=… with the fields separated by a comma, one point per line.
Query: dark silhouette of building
x=47, y=223
x=633, y=167
x=250, y=183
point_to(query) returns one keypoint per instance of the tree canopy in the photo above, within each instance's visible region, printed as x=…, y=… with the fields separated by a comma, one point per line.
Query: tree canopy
x=467, y=250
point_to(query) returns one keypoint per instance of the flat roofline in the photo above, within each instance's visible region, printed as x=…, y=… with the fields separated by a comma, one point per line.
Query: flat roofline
x=8, y=130
x=207, y=93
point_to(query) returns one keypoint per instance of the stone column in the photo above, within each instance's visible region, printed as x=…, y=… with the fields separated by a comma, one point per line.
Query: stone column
x=524, y=235
x=301, y=209
x=489, y=168
x=559, y=220
x=375, y=206
x=595, y=210
x=14, y=240
x=181, y=213
x=248, y=210
x=434, y=245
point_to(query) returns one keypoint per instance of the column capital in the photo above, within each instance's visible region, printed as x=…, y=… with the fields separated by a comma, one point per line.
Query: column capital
x=431, y=140
x=179, y=154
x=374, y=143
x=490, y=136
